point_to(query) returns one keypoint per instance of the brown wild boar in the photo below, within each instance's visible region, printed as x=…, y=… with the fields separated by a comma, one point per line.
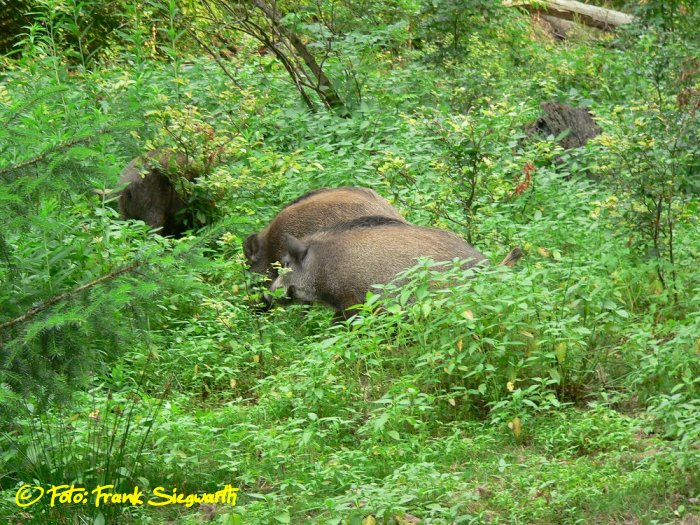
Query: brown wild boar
x=149, y=194
x=310, y=213
x=146, y=192
x=337, y=267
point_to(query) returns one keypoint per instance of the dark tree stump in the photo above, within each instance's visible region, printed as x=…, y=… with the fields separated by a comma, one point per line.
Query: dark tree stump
x=559, y=118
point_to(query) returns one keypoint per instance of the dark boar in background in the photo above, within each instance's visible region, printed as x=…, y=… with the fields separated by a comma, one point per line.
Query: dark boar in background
x=338, y=266
x=313, y=212
x=146, y=191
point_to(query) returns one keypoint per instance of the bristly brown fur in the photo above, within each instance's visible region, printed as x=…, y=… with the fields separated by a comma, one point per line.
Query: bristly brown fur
x=345, y=261
x=367, y=222
x=313, y=193
x=313, y=212
x=305, y=196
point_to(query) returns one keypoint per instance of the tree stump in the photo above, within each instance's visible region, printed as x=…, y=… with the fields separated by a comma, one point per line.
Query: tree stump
x=559, y=118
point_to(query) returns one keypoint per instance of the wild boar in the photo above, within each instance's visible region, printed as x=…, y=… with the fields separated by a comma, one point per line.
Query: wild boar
x=146, y=192
x=337, y=267
x=310, y=213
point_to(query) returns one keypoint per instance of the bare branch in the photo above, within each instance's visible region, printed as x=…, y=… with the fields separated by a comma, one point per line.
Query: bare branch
x=326, y=90
x=214, y=55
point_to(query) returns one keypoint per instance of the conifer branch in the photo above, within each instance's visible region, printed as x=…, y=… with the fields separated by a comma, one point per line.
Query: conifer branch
x=44, y=154
x=61, y=297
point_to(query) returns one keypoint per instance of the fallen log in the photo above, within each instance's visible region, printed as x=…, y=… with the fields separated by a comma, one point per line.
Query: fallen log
x=590, y=15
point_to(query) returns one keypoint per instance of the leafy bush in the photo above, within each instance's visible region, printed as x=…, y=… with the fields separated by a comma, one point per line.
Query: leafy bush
x=563, y=390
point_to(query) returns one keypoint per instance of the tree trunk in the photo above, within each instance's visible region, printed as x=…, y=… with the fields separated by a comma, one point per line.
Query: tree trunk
x=325, y=88
x=590, y=15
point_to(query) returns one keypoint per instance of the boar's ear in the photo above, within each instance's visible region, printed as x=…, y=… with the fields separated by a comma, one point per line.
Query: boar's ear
x=251, y=247
x=297, y=249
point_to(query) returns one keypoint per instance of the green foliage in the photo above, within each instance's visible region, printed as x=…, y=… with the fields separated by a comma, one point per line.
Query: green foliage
x=655, y=137
x=104, y=445
x=563, y=390
x=78, y=30
x=679, y=16
x=447, y=24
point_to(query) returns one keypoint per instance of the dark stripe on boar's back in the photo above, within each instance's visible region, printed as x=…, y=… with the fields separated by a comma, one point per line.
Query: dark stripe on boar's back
x=367, y=222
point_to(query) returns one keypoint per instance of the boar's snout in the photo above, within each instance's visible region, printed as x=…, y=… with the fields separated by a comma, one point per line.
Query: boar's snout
x=278, y=284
